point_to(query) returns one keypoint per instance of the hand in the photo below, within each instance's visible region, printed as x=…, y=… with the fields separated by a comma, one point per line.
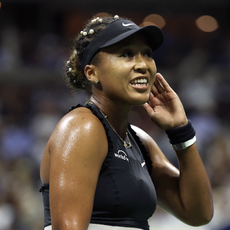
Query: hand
x=164, y=106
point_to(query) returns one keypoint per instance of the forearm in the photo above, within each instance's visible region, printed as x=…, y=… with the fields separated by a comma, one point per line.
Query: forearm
x=194, y=187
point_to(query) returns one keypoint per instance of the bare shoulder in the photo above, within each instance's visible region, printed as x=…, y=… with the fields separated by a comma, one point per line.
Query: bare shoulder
x=159, y=161
x=77, y=125
x=79, y=136
x=146, y=139
x=79, y=119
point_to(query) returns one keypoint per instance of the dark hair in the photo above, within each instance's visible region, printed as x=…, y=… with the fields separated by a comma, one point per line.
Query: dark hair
x=75, y=77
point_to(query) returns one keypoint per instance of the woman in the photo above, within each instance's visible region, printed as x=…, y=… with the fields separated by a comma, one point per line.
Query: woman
x=98, y=172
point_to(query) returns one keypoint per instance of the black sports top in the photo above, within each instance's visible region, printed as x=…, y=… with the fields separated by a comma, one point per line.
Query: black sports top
x=125, y=195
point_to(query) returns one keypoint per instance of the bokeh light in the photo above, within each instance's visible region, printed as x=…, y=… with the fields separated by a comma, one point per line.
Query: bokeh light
x=207, y=23
x=154, y=19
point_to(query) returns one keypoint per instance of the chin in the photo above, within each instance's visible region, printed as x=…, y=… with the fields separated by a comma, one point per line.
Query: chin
x=140, y=101
x=138, y=98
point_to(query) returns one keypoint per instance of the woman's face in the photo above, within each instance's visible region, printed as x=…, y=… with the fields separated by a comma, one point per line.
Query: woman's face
x=126, y=71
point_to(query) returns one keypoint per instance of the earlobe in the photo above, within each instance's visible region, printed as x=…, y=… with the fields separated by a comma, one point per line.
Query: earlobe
x=91, y=73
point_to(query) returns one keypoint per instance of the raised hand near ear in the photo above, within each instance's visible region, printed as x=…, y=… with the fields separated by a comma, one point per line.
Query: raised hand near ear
x=164, y=106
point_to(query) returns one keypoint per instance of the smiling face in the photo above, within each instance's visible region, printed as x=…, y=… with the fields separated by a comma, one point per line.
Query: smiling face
x=126, y=71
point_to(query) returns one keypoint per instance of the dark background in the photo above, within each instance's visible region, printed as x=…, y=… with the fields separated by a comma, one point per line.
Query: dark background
x=34, y=43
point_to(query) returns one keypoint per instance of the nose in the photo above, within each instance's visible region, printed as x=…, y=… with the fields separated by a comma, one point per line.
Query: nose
x=140, y=64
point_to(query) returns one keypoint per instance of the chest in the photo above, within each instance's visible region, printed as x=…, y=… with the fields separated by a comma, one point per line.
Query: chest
x=124, y=186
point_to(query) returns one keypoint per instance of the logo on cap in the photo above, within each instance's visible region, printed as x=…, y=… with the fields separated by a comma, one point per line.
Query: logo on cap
x=128, y=24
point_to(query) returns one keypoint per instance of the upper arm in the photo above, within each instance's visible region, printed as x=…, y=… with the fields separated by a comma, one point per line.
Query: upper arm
x=78, y=148
x=164, y=175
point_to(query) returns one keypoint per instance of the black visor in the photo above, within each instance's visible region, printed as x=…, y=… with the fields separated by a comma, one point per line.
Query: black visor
x=118, y=31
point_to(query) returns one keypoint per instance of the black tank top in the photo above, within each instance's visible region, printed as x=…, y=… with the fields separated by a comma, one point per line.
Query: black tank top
x=125, y=195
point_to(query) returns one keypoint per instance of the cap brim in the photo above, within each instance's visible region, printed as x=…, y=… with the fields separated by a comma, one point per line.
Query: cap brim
x=153, y=35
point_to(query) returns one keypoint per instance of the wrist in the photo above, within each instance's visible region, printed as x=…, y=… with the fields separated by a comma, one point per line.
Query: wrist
x=182, y=137
x=184, y=123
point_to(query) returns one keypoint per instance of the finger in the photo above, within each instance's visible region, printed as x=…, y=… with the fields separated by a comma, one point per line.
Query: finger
x=163, y=83
x=158, y=84
x=150, y=101
x=154, y=90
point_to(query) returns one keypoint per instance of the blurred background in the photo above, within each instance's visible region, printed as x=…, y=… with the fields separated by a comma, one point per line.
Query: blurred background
x=34, y=42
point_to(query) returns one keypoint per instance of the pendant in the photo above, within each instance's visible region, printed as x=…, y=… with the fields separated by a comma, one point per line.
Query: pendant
x=127, y=145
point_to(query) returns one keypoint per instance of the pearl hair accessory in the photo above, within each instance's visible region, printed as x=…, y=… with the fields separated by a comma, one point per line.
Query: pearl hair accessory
x=83, y=33
x=99, y=19
x=96, y=19
x=91, y=31
x=69, y=70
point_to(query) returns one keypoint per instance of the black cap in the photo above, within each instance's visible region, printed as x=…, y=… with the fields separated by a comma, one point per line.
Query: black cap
x=117, y=31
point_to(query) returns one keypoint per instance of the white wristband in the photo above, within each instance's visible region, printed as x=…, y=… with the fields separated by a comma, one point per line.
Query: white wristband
x=184, y=145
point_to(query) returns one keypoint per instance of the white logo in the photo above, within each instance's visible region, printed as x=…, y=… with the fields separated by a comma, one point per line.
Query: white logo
x=128, y=24
x=143, y=164
x=122, y=155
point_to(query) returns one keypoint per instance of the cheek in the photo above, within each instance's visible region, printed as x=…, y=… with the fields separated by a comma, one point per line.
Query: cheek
x=154, y=68
x=153, y=73
x=152, y=79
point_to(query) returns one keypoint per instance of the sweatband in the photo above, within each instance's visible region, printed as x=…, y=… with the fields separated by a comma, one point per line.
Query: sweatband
x=181, y=134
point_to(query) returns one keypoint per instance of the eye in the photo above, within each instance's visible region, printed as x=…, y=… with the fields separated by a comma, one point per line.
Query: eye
x=127, y=54
x=148, y=53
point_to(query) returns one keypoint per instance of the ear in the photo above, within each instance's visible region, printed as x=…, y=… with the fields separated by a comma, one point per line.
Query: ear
x=91, y=73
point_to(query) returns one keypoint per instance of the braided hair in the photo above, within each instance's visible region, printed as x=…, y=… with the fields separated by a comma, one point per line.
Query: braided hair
x=75, y=77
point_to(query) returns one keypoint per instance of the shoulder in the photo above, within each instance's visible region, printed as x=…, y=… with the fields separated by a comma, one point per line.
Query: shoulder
x=159, y=160
x=146, y=139
x=79, y=138
x=79, y=120
x=77, y=128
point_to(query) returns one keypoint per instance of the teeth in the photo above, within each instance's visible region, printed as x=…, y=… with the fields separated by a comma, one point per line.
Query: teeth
x=140, y=81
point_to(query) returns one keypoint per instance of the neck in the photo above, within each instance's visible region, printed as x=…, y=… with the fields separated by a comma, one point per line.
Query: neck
x=117, y=115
